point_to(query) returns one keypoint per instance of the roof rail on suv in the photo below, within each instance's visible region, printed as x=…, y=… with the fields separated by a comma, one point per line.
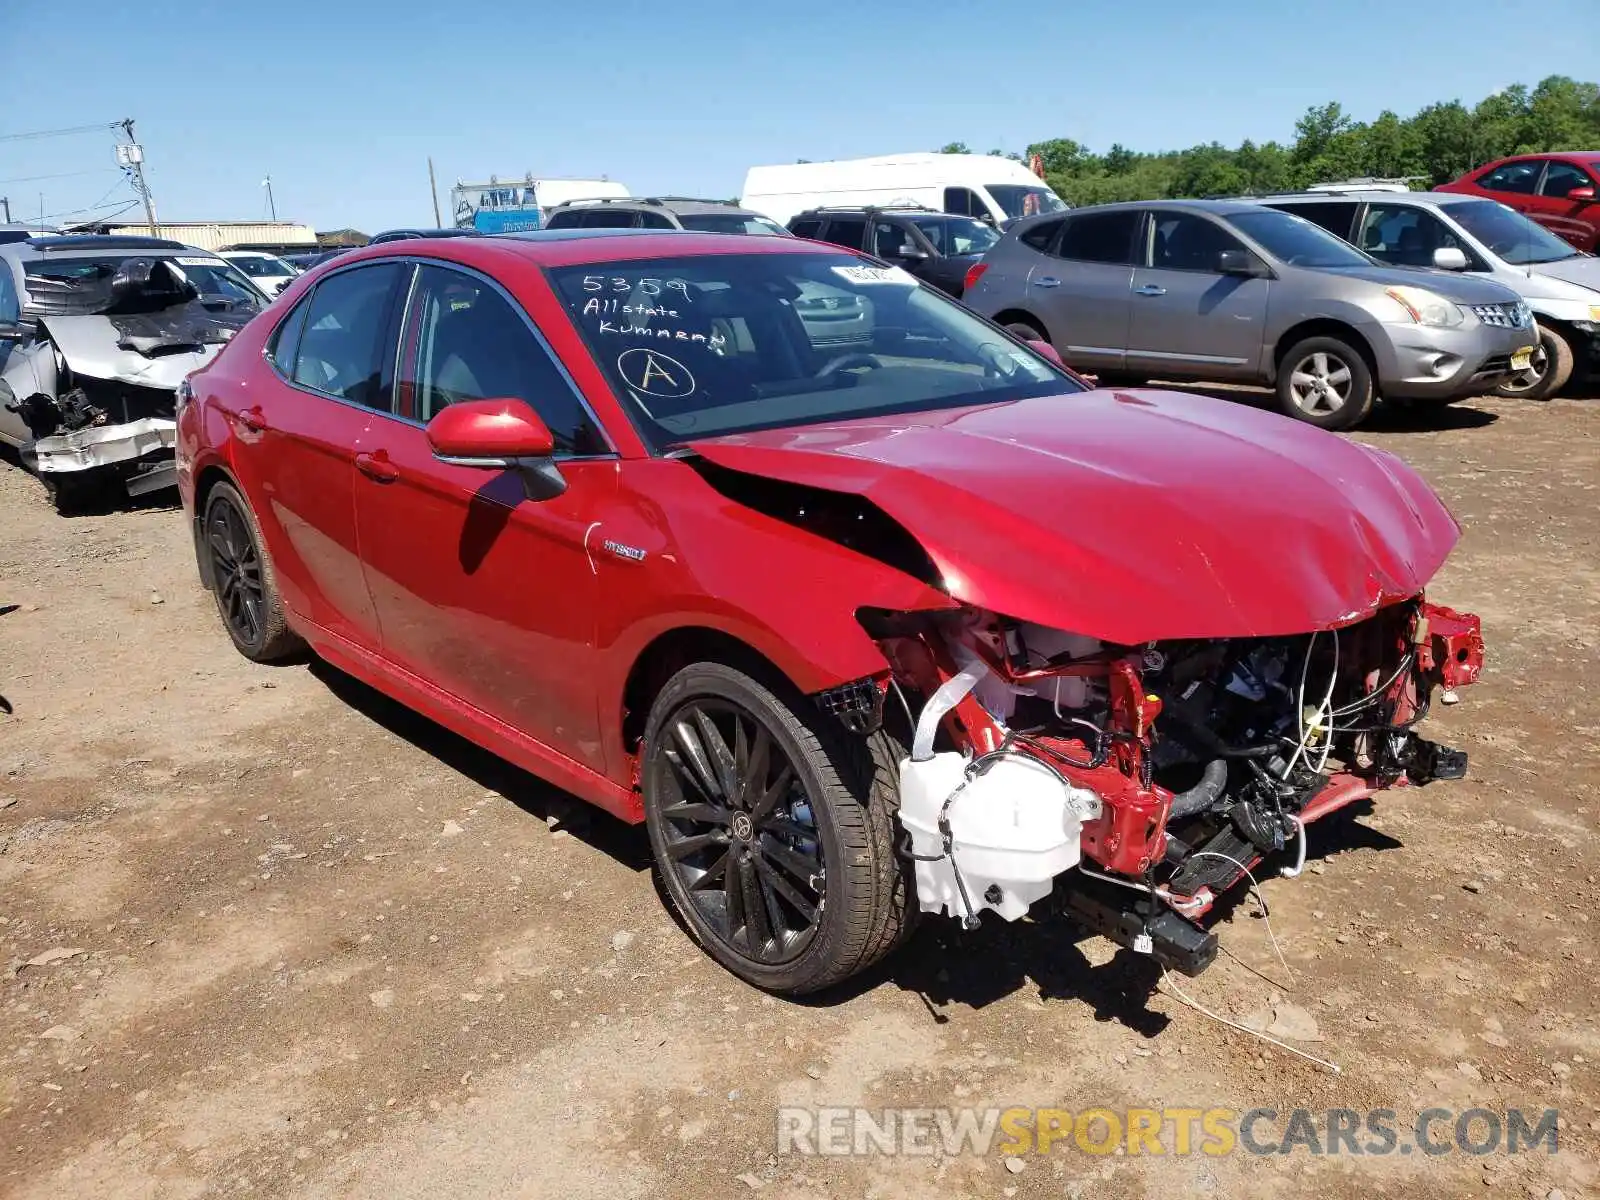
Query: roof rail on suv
x=658, y=201
x=102, y=241
x=868, y=208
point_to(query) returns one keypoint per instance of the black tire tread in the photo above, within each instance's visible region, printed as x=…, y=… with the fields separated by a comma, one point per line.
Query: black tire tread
x=278, y=641
x=859, y=778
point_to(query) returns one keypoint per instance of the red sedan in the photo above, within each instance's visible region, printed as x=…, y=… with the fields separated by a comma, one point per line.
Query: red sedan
x=1559, y=191
x=864, y=607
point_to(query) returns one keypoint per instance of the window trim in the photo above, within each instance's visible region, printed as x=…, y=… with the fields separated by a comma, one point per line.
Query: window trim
x=270, y=343
x=516, y=307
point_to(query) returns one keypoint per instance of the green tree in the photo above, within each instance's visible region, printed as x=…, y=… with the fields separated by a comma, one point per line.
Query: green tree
x=955, y=148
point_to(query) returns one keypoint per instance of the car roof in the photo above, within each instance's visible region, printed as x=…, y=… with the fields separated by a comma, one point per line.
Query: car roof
x=577, y=247
x=46, y=249
x=679, y=205
x=1414, y=199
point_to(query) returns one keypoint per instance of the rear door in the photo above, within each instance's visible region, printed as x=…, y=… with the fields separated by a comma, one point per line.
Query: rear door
x=296, y=440
x=1187, y=316
x=487, y=596
x=1082, y=288
x=1574, y=220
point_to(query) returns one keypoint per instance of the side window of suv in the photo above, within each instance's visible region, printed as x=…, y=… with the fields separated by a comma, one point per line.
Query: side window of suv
x=464, y=341
x=340, y=347
x=806, y=227
x=1105, y=237
x=654, y=220
x=1520, y=177
x=608, y=218
x=888, y=237
x=1561, y=178
x=846, y=231
x=1335, y=216
x=1039, y=237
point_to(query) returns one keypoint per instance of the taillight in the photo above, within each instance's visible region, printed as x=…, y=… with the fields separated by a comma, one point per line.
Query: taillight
x=974, y=273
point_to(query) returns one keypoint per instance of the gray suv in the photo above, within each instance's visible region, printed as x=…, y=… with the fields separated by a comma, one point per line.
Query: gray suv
x=659, y=212
x=1487, y=240
x=1231, y=291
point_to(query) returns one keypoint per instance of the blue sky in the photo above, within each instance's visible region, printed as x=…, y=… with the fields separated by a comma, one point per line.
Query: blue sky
x=342, y=102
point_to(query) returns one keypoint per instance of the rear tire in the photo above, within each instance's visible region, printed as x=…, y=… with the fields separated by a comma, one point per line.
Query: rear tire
x=1325, y=382
x=1026, y=331
x=1552, y=368
x=780, y=858
x=242, y=579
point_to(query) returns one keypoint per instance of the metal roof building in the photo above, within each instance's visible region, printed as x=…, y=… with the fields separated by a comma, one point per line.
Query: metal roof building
x=214, y=235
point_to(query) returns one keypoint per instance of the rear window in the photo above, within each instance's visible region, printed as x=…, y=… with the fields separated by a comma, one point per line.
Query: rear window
x=1101, y=237
x=805, y=227
x=1336, y=217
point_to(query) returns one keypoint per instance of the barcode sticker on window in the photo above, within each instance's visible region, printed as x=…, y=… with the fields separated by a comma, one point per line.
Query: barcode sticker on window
x=876, y=275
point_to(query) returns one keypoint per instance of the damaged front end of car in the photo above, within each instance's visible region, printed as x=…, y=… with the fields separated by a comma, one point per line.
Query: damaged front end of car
x=121, y=343
x=1140, y=782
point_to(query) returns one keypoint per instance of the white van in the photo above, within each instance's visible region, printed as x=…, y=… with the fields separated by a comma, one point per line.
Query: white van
x=979, y=185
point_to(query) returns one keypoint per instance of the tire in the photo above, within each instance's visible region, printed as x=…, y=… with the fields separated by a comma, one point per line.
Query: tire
x=76, y=492
x=1027, y=331
x=1345, y=395
x=1553, y=361
x=792, y=886
x=243, y=581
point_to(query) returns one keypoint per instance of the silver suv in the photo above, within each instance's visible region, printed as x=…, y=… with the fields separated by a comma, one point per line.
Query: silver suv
x=1230, y=291
x=1488, y=240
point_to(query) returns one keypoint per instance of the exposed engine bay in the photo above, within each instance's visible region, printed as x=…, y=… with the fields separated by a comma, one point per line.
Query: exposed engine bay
x=1138, y=783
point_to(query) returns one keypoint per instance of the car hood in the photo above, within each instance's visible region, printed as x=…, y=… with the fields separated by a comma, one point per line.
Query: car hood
x=1581, y=269
x=1131, y=515
x=1449, y=284
x=145, y=352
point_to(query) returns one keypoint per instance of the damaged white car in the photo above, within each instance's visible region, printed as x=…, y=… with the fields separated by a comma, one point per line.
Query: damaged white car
x=96, y=334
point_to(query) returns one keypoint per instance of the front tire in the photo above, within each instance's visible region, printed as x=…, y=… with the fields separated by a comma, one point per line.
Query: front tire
x=773, y=830
x=1549, y=373
x=1325, y=382
x=242, y=579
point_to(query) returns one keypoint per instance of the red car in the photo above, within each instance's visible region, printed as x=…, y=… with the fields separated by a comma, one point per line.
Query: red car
x=919, y=623
x=1557, y=190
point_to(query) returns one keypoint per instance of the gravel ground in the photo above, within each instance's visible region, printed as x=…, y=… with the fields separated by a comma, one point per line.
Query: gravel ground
x=269, y=934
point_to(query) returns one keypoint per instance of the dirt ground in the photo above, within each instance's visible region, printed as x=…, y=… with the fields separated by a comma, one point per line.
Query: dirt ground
x=268, y=934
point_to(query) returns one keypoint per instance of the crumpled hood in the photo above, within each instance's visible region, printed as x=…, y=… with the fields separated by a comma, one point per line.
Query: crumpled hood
x=97, y=347
x=1132, y=515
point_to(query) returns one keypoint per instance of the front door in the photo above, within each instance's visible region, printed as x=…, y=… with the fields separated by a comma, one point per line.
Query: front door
x=485, y=595
x=1082, y=290
x=298, y=435
x=1552, y=206
x=1188, y=317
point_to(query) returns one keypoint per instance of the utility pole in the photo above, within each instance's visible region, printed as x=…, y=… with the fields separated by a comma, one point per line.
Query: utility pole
x=272, y=205
x=6, y=202
x=131, y=156
x=434, y=189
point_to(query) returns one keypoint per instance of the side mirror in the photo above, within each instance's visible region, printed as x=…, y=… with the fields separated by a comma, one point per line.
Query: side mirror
x=1581, y=195
x=498, y=435
x=910, y=253
x=1045, y=350
x=1450, y=258
x=1237, y=262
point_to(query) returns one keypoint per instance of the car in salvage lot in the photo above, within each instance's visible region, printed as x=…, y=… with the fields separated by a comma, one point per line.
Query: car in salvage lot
x=96, y=333
x=926, y=625
x=1232, y=292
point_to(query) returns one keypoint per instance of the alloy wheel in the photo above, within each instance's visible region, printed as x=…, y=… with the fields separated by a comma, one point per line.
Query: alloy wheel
x=739, y=831
x=236, y=572
x=1529, y=380
x=1320, y=383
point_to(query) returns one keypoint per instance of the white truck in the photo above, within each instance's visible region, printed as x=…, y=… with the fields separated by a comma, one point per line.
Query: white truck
x=985, y=186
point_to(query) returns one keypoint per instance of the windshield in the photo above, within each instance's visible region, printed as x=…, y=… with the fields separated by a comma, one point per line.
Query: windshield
x=1508, y=234
x=1296, y=241
x=212, y=277
x=731, y=223
x=957, y=235
x=262, y=266
x=1021, y=200
x=698, y=347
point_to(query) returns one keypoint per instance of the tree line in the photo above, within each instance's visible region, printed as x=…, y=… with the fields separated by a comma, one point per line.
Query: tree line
x=1433, y=146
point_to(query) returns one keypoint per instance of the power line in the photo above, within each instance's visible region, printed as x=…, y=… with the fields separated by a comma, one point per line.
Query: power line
x=61, y=175
x=49, y=133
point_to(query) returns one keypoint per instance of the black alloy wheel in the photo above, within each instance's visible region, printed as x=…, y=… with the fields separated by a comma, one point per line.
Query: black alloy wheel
x=236, y=573
x=740, y=832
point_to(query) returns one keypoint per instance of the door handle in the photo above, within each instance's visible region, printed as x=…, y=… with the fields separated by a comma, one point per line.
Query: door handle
x=1047, y=281
x=253, y=419
x=1150, y=289
x=376, y=466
